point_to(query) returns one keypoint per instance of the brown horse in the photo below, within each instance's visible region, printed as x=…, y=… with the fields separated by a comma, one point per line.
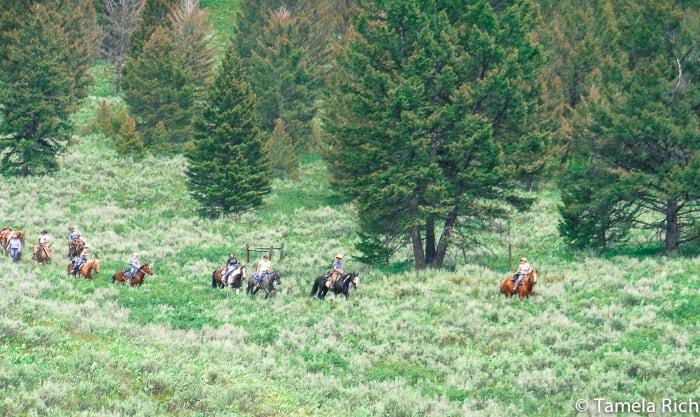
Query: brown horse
x=525, y=289
x=138, y=278
x=42, y=254
x=75, y=248
x=234, y=281
x=6, y=242
x=87, y=268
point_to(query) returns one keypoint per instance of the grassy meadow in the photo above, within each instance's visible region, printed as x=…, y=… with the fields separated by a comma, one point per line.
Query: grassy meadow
x=440, y=343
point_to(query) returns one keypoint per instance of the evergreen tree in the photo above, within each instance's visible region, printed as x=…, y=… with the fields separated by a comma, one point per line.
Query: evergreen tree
x=154, y=16
x=228, y=169
x=47, y=51
x=282, y=80
x=283, y=156
x=193, y=36
x=644, y=124
x=269, y=40
x=157, y=89
x=428, y=130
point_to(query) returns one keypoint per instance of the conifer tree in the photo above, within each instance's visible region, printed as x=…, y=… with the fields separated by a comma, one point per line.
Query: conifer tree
x=228, y=169
x=269, y=40
x=283, y=156
x=432, y=96
x=43, y=76
x=643, y=130
x=157, y=89
x=193, y=34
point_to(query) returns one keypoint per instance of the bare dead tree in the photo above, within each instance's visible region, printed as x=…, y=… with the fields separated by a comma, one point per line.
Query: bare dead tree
x=122, y=18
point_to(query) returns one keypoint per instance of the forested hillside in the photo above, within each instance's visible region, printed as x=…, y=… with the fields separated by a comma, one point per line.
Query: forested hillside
x=429, y=143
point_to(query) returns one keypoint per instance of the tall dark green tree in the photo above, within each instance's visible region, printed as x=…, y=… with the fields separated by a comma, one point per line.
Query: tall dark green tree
x=283, y=80
x=434, y=118
x=228, y=169
x=644, y=129
x=158, y=91
x=270, y=41
x=47, y=49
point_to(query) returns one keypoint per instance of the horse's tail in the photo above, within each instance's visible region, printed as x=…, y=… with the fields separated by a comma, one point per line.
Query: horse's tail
x=114, y=278
x=213, y=279
x=314, y=289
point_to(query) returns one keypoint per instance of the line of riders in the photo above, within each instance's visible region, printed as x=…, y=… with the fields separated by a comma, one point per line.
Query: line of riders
x=232, y=270
x=13, y=242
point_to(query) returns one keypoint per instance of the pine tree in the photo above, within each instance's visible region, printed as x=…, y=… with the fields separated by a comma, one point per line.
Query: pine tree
x=283, y=156
x=157, y=89
x=128, y=141
x=269, y=39
x=431, y=98
x=43, y=76
x=228, y=168
x=193, y=36
x=643, y=128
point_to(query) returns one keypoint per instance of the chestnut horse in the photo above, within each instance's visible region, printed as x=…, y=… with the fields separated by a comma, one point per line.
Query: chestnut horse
x=525, y=289
x=234, y=281
x=138, y=278
x=75, y=247
x=87, y=268
x=42, y=254
x=6, y=242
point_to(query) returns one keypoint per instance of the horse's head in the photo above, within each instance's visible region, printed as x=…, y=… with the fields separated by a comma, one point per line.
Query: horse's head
x=276, y=277
x=146, y=268
x=96, y=265
x=353, y=279
x=532, y=276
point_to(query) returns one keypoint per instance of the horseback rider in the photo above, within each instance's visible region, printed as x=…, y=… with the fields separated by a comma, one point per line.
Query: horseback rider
x=80, y=260
x=231, y=266
x=134, y=265
x=523, y=269
x=264, y=267
x=333, y=275
x=44, y=239
x=15, y=247
x=73, y=233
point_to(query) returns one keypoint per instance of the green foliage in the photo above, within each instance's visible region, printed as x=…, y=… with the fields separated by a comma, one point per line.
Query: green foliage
x=418, y=135
x=43, y=77
x=157, y=90
x=642, y=125
x=283, y=155
x=228, y=166
x=278, y=70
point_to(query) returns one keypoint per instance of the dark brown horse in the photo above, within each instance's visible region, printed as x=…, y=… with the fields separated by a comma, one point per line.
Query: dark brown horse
x=340, y=286
x=525, y=289
x=267, y=284
x=86, y=270
x=234, y=281
x=42, y=254
x=138, y=278
x=75, y=248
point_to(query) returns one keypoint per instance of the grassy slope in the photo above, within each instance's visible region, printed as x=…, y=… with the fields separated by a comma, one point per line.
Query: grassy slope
x=434, y=344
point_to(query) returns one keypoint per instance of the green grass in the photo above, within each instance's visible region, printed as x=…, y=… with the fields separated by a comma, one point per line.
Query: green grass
x=623, y=326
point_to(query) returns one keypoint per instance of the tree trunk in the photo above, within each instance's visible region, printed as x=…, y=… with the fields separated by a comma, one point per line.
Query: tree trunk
x=429, y=240
x=672, y=228
x=445, y=239
x=418, y=254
